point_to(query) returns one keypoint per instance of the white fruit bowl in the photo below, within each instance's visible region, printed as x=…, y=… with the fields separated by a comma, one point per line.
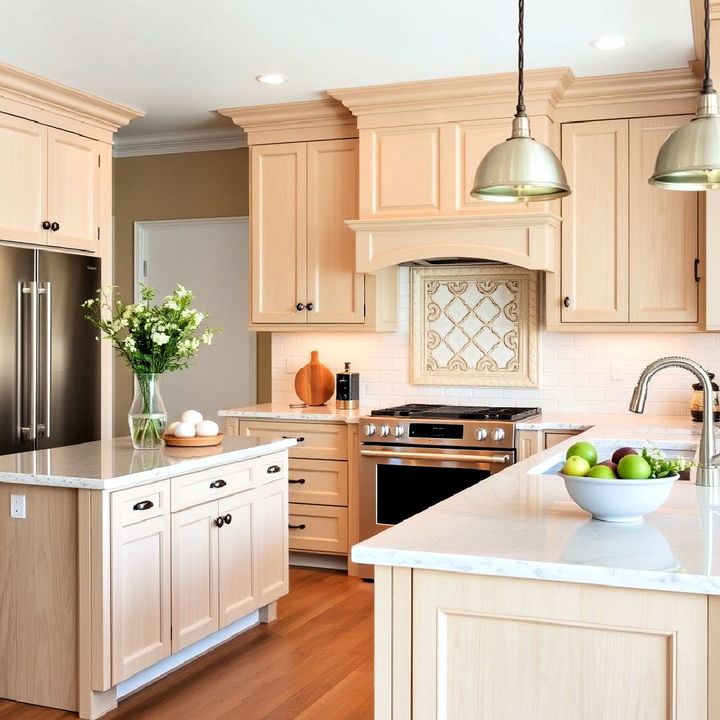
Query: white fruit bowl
x=618, y=500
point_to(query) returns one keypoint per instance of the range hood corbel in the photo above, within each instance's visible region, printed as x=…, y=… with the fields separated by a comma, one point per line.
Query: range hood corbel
x=529, y=240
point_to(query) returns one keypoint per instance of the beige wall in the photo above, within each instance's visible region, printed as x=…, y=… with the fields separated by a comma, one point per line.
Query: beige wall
x=171, y=187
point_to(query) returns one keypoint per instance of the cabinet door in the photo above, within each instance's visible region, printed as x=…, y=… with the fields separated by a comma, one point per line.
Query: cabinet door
x=404, y=166
x=73, y=190
x=23, y=179
x=272, y=541
x=663, y=233
x=278, y=217
x=335, y=290
x=595, y=222
x=194, y=574
x=237, y=578
x=140, y=578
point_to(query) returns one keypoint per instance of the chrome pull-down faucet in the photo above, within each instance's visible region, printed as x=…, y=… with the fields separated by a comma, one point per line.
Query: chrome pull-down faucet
x=708, y=470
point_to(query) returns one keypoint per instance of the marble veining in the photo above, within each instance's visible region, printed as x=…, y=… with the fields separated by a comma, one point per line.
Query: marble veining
x=114, y=464
x=522, y=523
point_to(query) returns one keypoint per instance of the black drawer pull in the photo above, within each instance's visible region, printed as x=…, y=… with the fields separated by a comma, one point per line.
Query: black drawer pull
x=219, y=521
x=273, y=469
x=228, y=519
x=218, y=483
x=297, y=527
x=290, y=437
x=143, y=505
x=299, y=481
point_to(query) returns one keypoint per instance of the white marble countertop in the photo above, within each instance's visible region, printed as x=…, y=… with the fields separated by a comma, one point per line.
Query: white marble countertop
x=282, y=411
x=522, y=523
x=114, y=464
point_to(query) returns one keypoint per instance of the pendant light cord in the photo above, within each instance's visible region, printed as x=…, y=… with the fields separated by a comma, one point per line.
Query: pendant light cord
x=707, y=86
x=520, y=109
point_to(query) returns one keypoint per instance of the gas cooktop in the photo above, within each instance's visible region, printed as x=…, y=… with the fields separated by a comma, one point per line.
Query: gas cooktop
x=458, y=412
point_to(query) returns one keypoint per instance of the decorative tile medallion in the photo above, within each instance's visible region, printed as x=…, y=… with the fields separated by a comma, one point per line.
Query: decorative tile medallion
x=474, y=325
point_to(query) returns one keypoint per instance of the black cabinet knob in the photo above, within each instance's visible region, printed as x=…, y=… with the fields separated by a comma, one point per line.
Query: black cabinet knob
x=297, y=527
x=566, y=302
x=309, y=307
x=228, y=519
x=299, y=307
x=54, y=226
x=46, y=225
x=219, y=521
x=143, y=505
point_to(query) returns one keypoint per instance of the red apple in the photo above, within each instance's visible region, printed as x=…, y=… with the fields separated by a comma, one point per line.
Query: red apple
x=610, y=464
x=622, y=452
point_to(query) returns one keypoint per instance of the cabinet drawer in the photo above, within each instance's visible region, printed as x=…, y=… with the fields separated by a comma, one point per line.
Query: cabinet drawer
x=324, y=441
x=269, y=468
x=318, y=528
x=140, y=503
x=318, y=482
x=554, y=438
x=211, y=484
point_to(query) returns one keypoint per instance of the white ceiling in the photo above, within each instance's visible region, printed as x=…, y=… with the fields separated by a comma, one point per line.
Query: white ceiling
x=178, y=60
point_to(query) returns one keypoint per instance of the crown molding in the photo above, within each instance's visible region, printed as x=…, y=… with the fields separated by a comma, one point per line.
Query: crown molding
x=285, y=122
x=547, y=84
x=24, y=87
x=180, y=142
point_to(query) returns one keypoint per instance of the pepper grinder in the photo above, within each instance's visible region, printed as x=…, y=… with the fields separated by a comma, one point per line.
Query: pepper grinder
x=347, y=389
x=696, y=402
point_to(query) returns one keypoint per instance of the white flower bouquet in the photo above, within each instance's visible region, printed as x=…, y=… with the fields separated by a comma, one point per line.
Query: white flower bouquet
x=152, y=339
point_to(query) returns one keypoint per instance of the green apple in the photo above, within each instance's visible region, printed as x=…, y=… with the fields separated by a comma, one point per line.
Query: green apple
x=576, y=465
x=584, y=450
x=602, y=471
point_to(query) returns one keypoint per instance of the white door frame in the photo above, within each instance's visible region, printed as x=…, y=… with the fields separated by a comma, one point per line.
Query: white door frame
x=140, y=248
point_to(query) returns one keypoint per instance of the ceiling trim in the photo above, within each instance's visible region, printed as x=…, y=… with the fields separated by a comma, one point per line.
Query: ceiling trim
x=180, y=142
x=24, y=87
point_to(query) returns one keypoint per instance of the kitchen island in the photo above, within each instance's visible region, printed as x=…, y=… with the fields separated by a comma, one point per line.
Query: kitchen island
x=508, y=601
x=119, y=565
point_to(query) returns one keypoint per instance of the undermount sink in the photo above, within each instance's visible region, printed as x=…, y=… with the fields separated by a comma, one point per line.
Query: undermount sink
x=605, y=448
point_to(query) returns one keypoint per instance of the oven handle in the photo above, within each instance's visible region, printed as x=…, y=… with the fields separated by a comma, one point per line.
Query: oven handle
x=500, y=459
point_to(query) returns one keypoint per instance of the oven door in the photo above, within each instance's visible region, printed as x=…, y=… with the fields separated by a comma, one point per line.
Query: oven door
x=397, y=482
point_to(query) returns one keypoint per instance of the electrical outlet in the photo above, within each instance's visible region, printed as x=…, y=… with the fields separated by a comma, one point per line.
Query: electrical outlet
x=17, y=506
x=616, y=371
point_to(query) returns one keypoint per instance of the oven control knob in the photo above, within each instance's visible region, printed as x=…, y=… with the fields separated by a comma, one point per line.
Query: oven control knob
x=384, y=430
x=480, y=434
x=399, y=431
x=498, y=434
x=369, y=429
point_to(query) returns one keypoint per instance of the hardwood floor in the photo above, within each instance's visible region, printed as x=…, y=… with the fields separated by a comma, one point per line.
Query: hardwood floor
x=313, y=663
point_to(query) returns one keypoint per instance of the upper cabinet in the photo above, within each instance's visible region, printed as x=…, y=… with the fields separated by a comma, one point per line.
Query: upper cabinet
x=303, y=189
x=629, y=251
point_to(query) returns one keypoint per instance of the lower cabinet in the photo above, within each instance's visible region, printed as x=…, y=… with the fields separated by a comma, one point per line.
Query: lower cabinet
x=530, y=442
x=218, y=538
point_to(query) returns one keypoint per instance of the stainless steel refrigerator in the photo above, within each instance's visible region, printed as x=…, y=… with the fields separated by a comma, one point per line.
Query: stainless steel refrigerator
x=49, y=358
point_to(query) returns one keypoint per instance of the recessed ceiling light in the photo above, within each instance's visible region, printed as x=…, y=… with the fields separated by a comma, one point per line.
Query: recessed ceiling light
x=271, y=78
x=609, y=42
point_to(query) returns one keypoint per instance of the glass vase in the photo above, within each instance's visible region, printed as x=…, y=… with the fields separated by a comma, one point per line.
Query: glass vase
x=147, y=417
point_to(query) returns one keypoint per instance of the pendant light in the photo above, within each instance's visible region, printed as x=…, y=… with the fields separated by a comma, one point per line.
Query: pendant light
x=690, y=158
x=520, y=168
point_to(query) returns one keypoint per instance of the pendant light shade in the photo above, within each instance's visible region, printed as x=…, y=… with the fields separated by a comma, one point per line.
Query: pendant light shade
x=690, y=158
x=521, y=168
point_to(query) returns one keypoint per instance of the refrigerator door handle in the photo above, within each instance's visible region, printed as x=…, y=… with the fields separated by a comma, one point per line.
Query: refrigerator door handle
x=29, y=432
x=46, y=290
x=19, y=361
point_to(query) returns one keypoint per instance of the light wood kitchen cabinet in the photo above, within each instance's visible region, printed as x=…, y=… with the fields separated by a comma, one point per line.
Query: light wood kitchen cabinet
x=571, y=650
x=628, y=249
x=140, y=571
x=318, y=478
x=272, y=541
x=52, y=182
x=302, y=253
x=530, y=442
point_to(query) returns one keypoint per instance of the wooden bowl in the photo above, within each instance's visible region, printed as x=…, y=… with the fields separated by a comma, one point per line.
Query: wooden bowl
x=192, y=452
x=192, y=441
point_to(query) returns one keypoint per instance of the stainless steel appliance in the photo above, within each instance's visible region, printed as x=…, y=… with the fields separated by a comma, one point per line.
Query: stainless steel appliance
x=49, y=358
x=413, y=456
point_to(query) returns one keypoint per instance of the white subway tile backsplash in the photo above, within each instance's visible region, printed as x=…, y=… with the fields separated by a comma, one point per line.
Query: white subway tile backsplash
x=581, y=372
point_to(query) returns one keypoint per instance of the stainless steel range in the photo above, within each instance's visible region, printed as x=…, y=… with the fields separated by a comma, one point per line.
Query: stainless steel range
x=413, y=456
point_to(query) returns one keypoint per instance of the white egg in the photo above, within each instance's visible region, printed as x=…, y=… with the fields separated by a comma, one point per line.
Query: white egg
x=191, y=416
x=170, y=430
x=185, y=430
x=207, y=428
